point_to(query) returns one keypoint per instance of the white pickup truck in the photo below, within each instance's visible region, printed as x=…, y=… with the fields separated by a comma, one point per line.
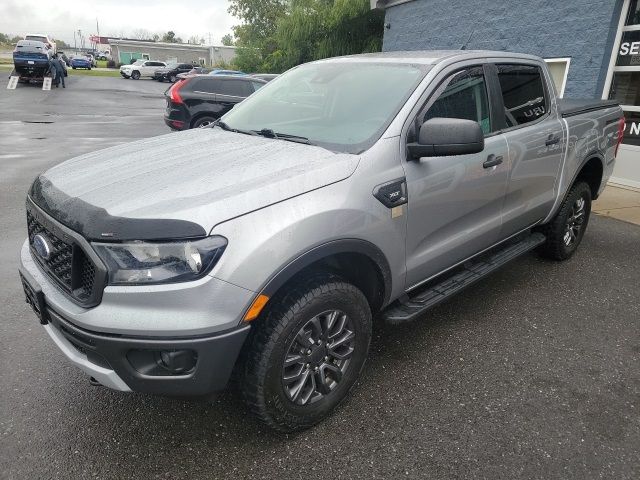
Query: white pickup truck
x=141, y=68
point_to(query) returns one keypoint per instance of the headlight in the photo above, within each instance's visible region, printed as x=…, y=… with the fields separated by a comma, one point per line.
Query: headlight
x=145, y=263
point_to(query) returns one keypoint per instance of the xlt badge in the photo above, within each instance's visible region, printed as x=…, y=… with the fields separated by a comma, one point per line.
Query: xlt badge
x=392, y=194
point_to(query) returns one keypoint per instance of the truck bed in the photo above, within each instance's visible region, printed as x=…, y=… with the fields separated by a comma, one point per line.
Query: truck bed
x=571, y=107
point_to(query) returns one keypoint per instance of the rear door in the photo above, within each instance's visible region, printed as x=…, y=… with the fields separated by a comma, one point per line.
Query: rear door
x=536, y=142
x=233, y=91
x=455, y=202
x=202, y=97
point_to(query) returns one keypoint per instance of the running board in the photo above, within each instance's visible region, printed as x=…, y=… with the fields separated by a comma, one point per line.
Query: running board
x=416, y=303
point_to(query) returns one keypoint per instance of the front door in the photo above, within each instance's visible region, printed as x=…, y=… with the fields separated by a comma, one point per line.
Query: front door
x=455, y=203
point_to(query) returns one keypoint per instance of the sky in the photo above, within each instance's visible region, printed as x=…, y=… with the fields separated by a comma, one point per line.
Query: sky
x=60, y=18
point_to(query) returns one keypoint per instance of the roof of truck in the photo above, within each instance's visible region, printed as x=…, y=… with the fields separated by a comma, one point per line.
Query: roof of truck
x=427, y=57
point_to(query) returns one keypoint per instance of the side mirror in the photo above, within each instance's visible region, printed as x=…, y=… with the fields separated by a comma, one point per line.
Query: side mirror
x=447, y=136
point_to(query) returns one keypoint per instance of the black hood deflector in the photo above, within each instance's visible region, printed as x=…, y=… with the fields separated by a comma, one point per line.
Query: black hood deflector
x=95, y=223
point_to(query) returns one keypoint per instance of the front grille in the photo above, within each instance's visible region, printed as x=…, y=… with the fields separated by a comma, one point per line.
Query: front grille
x=68, y=264
x=60, y=262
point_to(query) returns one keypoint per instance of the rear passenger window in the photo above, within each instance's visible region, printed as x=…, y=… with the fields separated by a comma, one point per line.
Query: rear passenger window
x=236, y=88
x=208, y=85
x=523, y=93
x=464, y=96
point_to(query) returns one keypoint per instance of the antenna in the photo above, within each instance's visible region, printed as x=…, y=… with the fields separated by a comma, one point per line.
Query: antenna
x=464, y=45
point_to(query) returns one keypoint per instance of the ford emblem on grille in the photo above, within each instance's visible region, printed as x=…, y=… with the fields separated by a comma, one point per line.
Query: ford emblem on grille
x=42, y=246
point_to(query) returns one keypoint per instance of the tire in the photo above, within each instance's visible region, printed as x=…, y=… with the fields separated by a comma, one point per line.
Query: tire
x=203, y=122
x=135, y=75
x=564, y=233
x=89, y=68
x=172, y=79
x=304, y=400
x=73, y=68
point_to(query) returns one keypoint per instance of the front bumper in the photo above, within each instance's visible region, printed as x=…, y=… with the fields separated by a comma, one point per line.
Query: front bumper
x=134, y=363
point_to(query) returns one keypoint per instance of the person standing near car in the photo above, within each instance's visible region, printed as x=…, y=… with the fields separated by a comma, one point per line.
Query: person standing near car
x=59, y=71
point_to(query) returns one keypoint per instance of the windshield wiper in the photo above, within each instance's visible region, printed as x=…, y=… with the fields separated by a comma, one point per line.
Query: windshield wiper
x=226, y=127
x=269, y=133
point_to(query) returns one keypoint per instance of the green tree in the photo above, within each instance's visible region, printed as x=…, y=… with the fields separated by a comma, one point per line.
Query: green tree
x=170, y=37
x=227, y=40
x=255, y=38
x=299, y=31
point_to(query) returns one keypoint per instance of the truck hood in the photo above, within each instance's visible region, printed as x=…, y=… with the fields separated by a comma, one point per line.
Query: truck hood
x=200, y=176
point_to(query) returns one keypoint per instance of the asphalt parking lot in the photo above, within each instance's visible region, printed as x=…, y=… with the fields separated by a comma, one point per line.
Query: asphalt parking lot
x=534, y=373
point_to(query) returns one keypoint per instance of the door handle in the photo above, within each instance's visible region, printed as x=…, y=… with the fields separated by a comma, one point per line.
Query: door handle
x=492, y=161
x=552, y=140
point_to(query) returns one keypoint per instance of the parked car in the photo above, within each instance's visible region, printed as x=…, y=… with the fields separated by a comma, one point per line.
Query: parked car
x=265, y=76
x=103, y=56
x=31, y=59
x=284, y=229
x=141, y=68
x=226, y=72
x=171, y=71
x=199, y=100
x=194, y=71
x=81, y=62
x=39, y=37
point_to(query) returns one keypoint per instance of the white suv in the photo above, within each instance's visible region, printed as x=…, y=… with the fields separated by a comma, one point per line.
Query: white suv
x=141, y=68
x=40, y=37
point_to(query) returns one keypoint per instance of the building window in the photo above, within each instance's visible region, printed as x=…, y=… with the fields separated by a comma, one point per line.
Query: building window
x=624, y=83
x=559, y=69
x=633, y=17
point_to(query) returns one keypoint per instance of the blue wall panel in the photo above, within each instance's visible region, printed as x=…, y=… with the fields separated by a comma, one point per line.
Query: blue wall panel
x=581, y=29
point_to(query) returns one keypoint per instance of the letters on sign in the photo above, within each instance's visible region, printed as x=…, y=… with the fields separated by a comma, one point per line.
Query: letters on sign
x=629, y=51
x=632, y=129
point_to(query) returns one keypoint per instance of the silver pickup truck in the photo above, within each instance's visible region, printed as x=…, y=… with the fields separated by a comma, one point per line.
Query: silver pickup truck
x=346, y=191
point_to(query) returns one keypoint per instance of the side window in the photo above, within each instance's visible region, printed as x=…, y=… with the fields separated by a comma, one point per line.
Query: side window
x=464, y=96
x=208, y=85
x=236, y=88
x=257, y=86
x=523, y=93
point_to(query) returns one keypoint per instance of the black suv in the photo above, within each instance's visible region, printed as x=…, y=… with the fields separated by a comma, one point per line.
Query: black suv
x=171, y=71
x=199, y=100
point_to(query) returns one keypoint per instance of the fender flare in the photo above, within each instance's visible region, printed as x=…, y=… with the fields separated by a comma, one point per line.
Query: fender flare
x=585, y=160
x=348, y=245
x=562, y=196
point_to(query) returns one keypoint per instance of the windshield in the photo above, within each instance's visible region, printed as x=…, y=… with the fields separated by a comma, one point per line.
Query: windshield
x=340, y=106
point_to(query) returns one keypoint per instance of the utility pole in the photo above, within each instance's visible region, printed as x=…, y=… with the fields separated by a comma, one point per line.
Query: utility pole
x=80, y=38
x=75, y=44
x=209, y=38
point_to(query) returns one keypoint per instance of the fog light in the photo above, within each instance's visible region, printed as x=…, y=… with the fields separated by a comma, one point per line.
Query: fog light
x=178, y=361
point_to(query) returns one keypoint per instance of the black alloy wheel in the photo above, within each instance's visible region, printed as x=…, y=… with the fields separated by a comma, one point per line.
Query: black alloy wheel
x=318, y=357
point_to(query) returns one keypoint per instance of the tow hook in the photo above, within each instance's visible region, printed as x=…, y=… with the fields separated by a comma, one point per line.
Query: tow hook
x=94, y=382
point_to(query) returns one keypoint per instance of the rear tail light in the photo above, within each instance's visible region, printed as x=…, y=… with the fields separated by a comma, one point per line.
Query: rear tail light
x=621, y=125
x=174, y=91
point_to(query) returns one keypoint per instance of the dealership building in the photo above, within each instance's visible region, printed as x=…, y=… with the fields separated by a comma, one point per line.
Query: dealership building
x=125, y=50
x=591, y=46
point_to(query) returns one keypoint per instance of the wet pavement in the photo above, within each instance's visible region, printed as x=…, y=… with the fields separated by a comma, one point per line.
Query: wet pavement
x=533, y=373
